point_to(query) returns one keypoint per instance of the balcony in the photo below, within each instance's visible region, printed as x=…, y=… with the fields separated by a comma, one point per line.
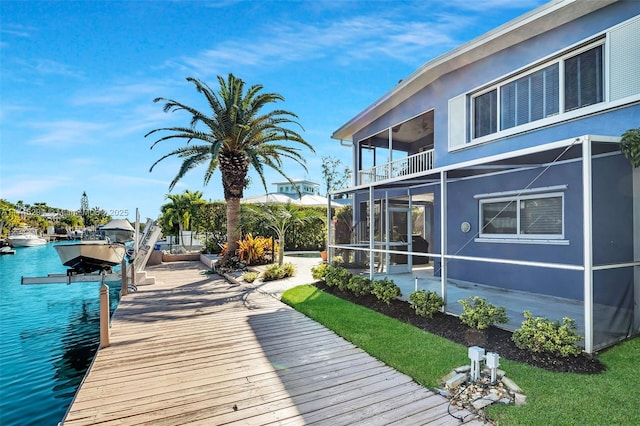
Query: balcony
x=406, y=166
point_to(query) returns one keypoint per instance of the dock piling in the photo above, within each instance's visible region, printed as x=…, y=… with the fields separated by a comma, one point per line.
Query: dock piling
x=104, y=316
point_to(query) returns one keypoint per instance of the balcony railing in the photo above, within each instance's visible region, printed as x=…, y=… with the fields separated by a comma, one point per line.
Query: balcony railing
x=405, y=166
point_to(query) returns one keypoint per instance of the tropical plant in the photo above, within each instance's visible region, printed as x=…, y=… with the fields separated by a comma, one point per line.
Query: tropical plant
x=234, y=136
x=630, y=146
x=250, y=276
x=252, y=249
x=543, y=335
x=319, y=272
x=179, y=211
x=337, y=276
x=359, y=285
x=480, y=314
x=279, y=218
x=385, y=290
x=278, y=272
x=426, y=303
x=8, y=216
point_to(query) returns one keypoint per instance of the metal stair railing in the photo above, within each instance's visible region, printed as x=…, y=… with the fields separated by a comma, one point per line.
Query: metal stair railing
x=148, y=241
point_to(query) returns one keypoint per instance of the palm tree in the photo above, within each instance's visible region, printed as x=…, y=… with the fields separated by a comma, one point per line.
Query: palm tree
x=235, y=135
x=279, y=218
x=180, y=210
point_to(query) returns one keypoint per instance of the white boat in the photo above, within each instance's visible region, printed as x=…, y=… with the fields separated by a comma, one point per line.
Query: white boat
x=89, y=256
x=25, y=237
x=118, y=231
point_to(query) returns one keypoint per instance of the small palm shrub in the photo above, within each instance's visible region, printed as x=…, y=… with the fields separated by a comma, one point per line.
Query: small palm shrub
x=319, y=272
x=250, y=276
x=385, y=290
x=359, y=285
x=543, y=335
x=275, y=272
x=426, y=303
x=337, y=277
x=480, y=314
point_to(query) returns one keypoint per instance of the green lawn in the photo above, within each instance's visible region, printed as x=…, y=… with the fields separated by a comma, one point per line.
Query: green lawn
x=610, y=398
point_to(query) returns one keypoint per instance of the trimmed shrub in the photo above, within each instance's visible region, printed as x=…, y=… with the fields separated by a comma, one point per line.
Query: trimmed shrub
x=359, y=285
x=385, y=290
x=337, y=277
x=543, y=335
x=319, y=272
x=250, y=276
x=426, y=303
x=480, y=314
x=275, y=272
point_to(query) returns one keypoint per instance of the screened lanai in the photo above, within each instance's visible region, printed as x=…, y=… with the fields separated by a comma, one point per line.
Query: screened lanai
x=430, y=231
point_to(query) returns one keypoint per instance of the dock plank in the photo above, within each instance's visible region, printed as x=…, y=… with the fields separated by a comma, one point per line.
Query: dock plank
x=195, y=349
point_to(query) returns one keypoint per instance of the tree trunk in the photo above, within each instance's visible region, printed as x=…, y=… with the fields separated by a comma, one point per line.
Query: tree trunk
x=281, y=250
x=234, y=233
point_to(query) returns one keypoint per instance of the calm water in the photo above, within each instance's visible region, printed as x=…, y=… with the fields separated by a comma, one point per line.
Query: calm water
x=48, y=335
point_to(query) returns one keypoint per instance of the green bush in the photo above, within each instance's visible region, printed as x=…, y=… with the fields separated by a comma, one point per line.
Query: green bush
x=337, y=277
x=630, y=146
x=543, y=335
x=480, y=314
x=275, y=272
x=359, y=285
x=385, y=290
x=319, y=272
x=250, y=276
x=337, y=261
x=426, y=303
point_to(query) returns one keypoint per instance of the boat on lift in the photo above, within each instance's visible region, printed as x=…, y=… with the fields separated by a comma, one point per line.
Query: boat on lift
x=84, y=257
x=118, y=231
x=25, y=237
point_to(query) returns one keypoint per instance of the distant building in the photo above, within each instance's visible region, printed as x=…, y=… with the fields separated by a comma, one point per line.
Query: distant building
x=304, y=186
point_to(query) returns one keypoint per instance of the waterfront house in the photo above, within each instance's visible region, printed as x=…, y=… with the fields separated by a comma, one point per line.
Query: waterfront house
x=495, y=169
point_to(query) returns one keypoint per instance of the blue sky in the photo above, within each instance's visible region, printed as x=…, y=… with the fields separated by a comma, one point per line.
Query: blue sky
x=78, y=79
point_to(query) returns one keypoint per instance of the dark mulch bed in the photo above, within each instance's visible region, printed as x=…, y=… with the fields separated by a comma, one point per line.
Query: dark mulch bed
x=495, y=339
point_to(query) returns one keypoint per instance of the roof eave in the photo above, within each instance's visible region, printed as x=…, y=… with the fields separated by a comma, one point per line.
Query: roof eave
x=513, y=32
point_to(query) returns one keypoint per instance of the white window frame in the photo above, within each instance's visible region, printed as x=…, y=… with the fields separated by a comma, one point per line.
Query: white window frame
x=497, y=86
x=517, y=199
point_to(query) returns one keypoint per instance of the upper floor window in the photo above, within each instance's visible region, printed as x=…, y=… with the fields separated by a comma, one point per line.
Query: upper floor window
x=577, y=80
x=583, y=79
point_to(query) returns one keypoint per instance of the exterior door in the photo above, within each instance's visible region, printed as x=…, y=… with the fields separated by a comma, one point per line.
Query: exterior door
x=398, y=239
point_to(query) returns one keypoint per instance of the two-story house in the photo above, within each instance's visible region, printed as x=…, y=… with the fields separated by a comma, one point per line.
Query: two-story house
x=495, y=170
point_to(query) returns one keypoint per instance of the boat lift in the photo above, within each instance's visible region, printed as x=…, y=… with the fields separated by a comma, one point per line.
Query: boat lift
x=142, y=251
x=143, y=247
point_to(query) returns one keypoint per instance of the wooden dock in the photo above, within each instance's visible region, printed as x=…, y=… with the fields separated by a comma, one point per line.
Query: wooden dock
x=195, y=349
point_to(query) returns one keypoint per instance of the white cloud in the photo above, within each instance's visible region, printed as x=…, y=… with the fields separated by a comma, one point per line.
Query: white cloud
x=67, y=133
x=25, y=186
x=345, y=41
x=492, y=5
x=46, y=67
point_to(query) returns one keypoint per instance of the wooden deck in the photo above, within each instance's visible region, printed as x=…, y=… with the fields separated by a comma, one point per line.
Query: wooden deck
x=195, y=349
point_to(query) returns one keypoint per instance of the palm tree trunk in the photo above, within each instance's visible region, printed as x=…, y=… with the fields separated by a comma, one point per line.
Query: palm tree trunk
x=234, y=233
x=281, y=250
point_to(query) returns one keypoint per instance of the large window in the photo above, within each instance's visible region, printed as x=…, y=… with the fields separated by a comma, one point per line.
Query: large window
x=525, y=216
x=537, y=95
x=529, y=98
x=583, y=79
